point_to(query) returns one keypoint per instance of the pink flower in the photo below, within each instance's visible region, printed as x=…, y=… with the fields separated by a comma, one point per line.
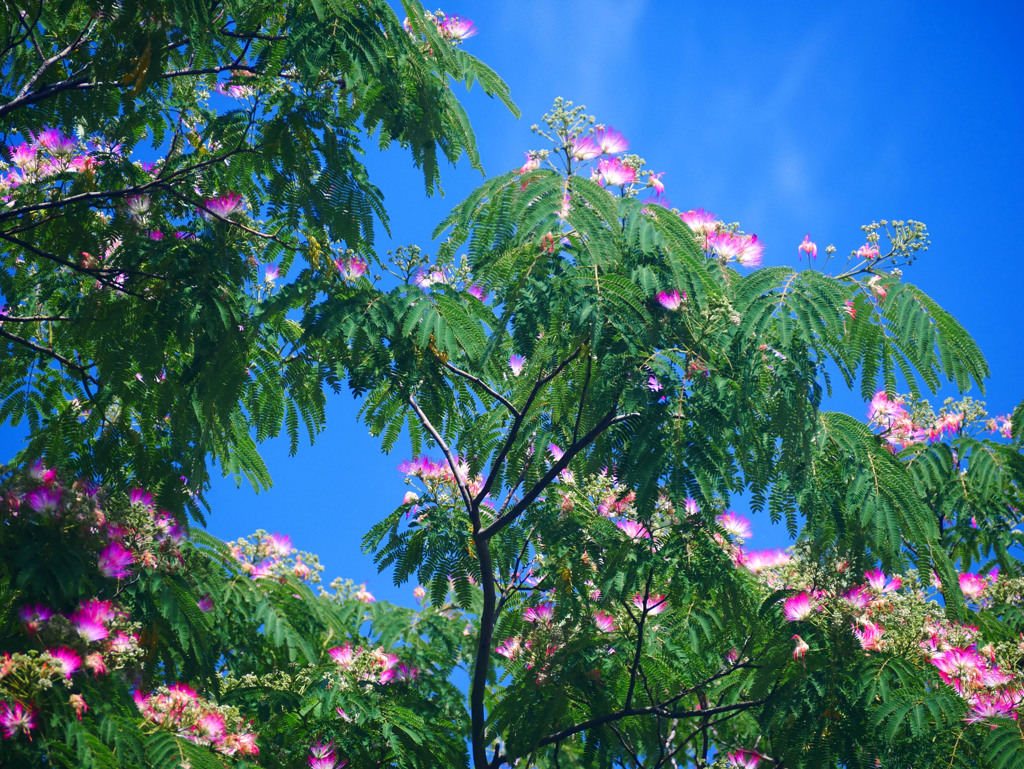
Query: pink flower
x=205, y=603
x=532, y=164
x=211, y=726
x=743, y=759
x=611, y=141
x=671, y=300
x=858, y=598
x=34, y=617
x=614, y=173
x=542, y=614
x=55, y=142
x=95, y=663
x=323, y=757
x=457, y=29
x=279, y=545
x=877, y=579
x=17, y=718
x=758, y=560
x=343, y=655
x=870, y=636
x=114, y=561
x=690, y=506
x=656, y=183
x=67, y=660
x=272, y=273
x=801, y=648
x=583, y=148
x=419, y=593
x=44, y=500
x=140, y=497
x=478, y=292
x=604, y=622
x=726, y=245
x=654, y=604
x=351, y=269
x=224, y=206
x=808, y=247
x=364, y=595
x=868, y=251
x=555, y=452
x=751, y=251
x=972, y=585
x=634, y=530
x=700, y=221
x=516, y=363
x=509, y=648
x=735, y=525
x=798, y=607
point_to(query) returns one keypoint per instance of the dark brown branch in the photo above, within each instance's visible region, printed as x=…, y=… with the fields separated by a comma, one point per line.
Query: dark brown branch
x=50, y=353
x=467, y=498
x=639, y=642
x=47, y=63
x=482, y=385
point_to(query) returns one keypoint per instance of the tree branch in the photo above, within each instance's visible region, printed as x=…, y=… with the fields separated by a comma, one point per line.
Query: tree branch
x=483, y=385
x=467, y=498
x=50, y=353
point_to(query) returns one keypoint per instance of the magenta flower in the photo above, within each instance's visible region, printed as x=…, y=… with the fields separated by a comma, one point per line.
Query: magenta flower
x=457, y=29
x=89, y=626
x=758, y=560
x=44, y=500
x=611, y=141
x=671, y=300
x=555, y=451
x=743, y=759
x=272, y=273
x=801, y=648
x=654, y=385
x=138, y=206
x=656, y=182
x=211, y=726
x=808, y=247
x=365, y=596
x=140, y=497
x=279, y=545
x=156, y=235
x=584, y=148
x=735, y=525
x=351, y=269
x=972, y=585
x=55, y=142
x=532, y=164
x=798, y=607
x=653, y=604
x=870, y=636
x=114, y=561
x=615, y=174
x=700, y=221
x=877, y=579
x=751, y=251
x=224, y=206
x=634, y=530
x=323, y=757
x=726, y=245
x=205, y=603
x=690, y=506
x=16, y=719
x=343, y=655
x=604, y=622
x=516, y=363
x=24, y=156
x=509, y=648
x=66, y=659
x=858, y=598
x=35, y=617
x=540, y=614
x=868, y=251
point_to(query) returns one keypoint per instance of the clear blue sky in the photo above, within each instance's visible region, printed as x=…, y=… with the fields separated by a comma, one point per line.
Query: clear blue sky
x=788, y=118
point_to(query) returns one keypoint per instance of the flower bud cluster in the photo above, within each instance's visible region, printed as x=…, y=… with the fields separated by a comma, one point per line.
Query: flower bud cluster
x=262, y=555
x=181, y=711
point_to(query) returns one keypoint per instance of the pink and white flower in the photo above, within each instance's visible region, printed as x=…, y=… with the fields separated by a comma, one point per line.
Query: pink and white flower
x=808, y=247
x=798, y=607
x=671, y=300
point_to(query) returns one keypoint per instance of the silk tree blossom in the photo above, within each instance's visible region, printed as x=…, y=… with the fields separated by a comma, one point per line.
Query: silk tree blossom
x=509, y=648
x=654, y=180
x=604, y=622
x=654, y=603
x=690, y=506
x=323, y=757
x=671, y=300
x=365, y=596
x=140, y=498
x=582, y=148
x=66, y=660
x=701, y=222
x=870, y=635
x=807, y=247
x=801, y=648
x=532, y=163
x=516, y=363
x=138, y=207
x=16, y=718
x=352, y=268
x=456, y=29
x=743, y=759
x=35, y=617
x=972, y=585
x=751, y=253
x=615, y=174
x=271, y=274
x=279, y=545
x=44, y=500
x=726, y=245
x=344, y=656
x=798, y=607
x=868, y=251
x=735, y=525
x=114, y=561
x=610, y=141
x=634, y=530
x=877, y=579
x=985, y=706
x=478, y=292
x=223, y=206
x=759, y=560
x=858, y=598
x=542, y=614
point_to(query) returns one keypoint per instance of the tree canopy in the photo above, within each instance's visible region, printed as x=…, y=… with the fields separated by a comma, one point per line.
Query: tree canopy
x=589, y=380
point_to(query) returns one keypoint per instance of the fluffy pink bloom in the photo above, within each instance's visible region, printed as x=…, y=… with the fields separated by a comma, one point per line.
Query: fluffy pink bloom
x=808, y=247
x=868, y=251
x=582, y=148
x=700, y=221
x=986, y=705
x=509, y=648
x=224, y=206
x=877, y=579
x=279, y=545
x=351, y=269
x=726, y=245
x=634, y=530
x=758, y=560
x=604, y=622
x=35, y=617
x=858, y=598
x=610, y=141
x=211, y=726
x=114, y=561
x=751, y=252
x=870, y=636
x=798, y=607
x=323, y=757
x=516, y=363
x=743, y=759
x=532, y=164
x=16, y=718
x=457, y=29
x=343, y=655
x=478, y=292
x=555, y=452
x=655, y=604
x=24, y=156
x=140, y=497
x=542, y=614
x=972, y=585
x=44, y=500
x=801, y=648
x=614, y=173
x=690, y=506
x=55, y=142
x=66, y=659
x=734, y=524
x=205, y=603
x=671, y=300
x=419, y=593
x=364, y=595
x=656, y=182
x=272, y=273
x=96, y=663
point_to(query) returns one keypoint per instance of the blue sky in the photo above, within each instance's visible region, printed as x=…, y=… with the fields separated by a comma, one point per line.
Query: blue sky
x=788, y=118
